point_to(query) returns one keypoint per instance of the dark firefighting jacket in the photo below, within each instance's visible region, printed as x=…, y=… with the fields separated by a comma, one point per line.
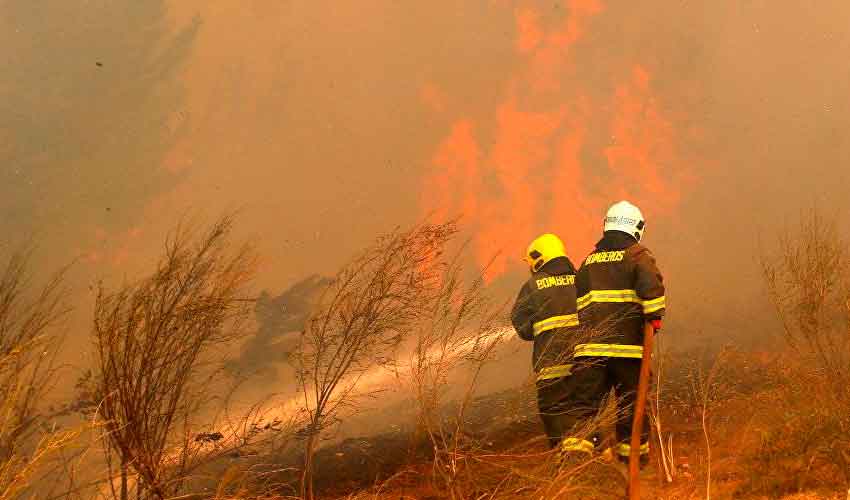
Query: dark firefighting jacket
x=545, y=312
x=619, y=288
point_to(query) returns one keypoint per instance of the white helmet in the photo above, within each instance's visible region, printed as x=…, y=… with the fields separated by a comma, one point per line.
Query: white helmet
x=625, y=217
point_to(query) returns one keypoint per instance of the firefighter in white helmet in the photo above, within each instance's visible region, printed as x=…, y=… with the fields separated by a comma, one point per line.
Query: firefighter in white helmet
x=545, y=313
x=619, y=287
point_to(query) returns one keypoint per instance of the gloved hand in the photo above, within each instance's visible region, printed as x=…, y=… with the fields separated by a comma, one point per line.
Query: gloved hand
x=656, y=324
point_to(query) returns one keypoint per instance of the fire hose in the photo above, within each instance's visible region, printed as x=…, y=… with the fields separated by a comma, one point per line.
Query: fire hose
x=640, y=410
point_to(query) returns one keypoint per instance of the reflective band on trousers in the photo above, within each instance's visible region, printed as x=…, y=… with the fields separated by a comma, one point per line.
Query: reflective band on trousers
x=553, y=322
x=621, y=296
x=609, y=350
x=625, y=449
x=576, y=444
x=557, y=371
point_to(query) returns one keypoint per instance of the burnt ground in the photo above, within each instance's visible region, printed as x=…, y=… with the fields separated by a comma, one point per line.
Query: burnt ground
x=498, y=423
x=495, y=422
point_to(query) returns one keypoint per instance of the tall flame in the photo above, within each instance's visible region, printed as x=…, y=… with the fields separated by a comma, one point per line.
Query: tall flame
x=561, y=151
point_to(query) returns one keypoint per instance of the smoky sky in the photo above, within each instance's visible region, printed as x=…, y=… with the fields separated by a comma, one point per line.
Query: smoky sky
x=89, y=97
x=319, y=122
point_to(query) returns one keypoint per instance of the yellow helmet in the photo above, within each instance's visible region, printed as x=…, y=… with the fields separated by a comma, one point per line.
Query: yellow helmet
x=543, y=249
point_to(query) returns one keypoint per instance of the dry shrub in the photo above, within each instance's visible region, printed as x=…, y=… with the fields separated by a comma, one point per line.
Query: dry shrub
x=805, y=434
x=809, y=286
x=362, y=317
x=153, y=342
x=457, y=337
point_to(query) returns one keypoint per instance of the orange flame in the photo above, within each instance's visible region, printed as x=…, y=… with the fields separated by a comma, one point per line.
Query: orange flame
x=562, y=150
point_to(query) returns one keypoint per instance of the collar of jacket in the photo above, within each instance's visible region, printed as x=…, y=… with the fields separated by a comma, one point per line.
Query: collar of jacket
x=557, y=267
x=615, y=240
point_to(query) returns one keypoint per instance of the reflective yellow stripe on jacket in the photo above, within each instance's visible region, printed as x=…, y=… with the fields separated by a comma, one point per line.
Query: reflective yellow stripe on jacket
x=609, y=350
x=621, y=296
x=625, y=449
x=553, y=322
x=556, y=371
x=576, y=444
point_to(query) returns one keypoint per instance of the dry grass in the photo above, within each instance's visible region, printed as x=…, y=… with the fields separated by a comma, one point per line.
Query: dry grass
x=29, y=341
x=28, y=344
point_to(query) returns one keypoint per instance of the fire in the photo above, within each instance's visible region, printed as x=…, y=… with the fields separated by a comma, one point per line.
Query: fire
x=562, y=149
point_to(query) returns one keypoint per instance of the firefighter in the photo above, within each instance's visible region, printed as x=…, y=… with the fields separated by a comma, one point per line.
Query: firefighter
x=619, y=288
x=545, y=313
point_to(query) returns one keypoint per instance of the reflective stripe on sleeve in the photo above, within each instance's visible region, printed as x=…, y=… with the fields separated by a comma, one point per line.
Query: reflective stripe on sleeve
x=553, y=322
x=556, y=371
x=609, y=350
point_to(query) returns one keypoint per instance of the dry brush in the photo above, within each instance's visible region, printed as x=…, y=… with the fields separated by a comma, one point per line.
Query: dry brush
x=153, y=342
x=29, y=340
x=362, y=317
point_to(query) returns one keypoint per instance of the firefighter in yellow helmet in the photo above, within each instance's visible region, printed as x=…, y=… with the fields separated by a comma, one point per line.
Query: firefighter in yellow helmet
x=545, y=313
x=619, y=288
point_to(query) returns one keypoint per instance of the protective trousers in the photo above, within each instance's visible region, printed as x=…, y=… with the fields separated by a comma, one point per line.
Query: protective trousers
x=566, y=404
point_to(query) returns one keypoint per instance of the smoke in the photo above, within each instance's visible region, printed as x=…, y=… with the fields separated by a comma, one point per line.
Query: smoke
x=279, y=321
x=89, y=108
x=325, y=124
